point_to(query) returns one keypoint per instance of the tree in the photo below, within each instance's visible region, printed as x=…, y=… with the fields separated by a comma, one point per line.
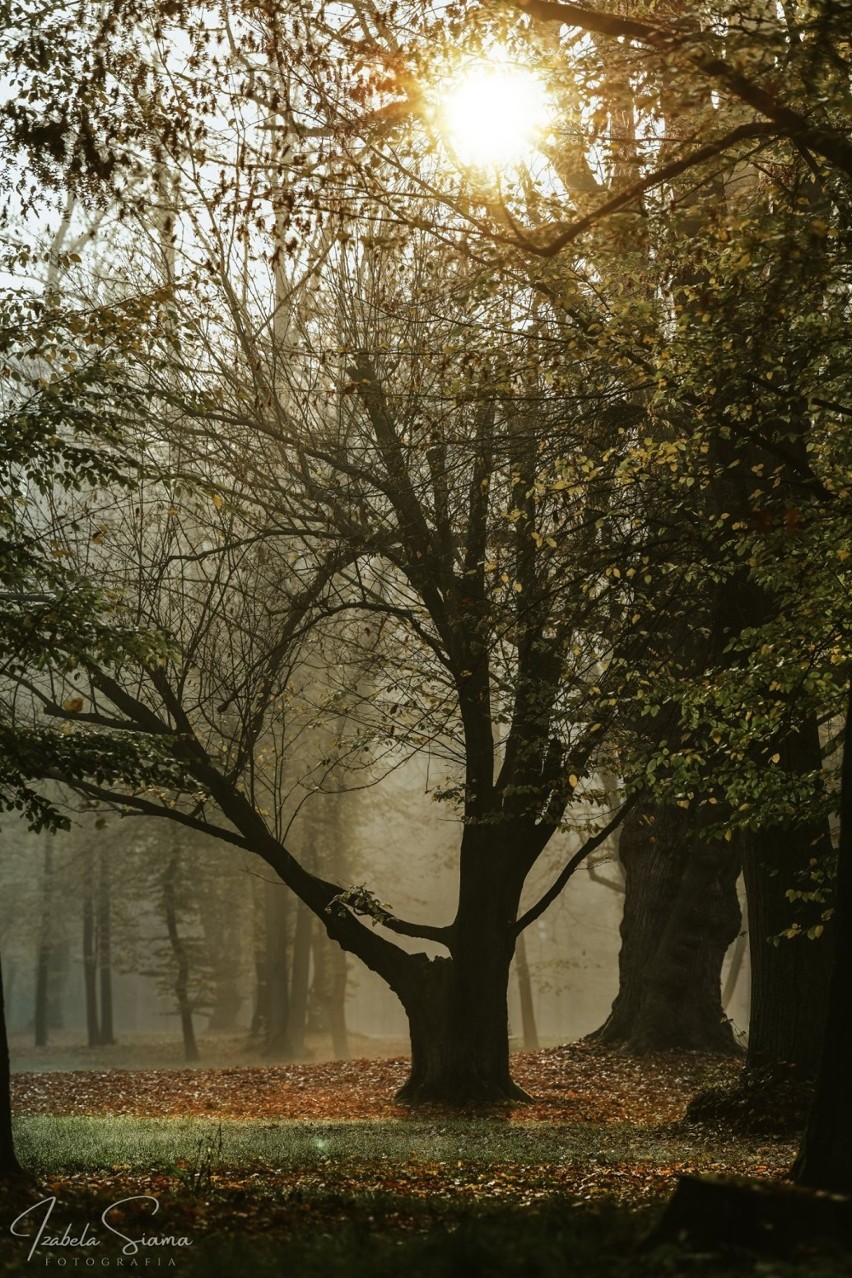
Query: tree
x=412, y=450
x=825, y=1156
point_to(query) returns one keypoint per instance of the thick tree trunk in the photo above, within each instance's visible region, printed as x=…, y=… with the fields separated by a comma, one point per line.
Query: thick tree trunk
x=457, y=1007
x=790, y=977
x=681, y=912
x=458, y=1019
x=825, y=1158
x=9, y=1165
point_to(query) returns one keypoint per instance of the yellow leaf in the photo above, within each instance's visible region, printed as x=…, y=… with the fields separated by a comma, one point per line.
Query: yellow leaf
x=573, y=779
x=776, y=758
x=73, y=705
x=218, y=501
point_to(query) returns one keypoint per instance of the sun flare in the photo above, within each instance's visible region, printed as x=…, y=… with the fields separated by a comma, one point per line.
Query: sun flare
x=494, y=113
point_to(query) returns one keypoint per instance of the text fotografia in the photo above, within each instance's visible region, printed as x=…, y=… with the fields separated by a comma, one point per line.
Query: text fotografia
x=143, y=1251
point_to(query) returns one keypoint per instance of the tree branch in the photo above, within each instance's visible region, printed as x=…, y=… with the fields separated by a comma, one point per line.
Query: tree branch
x=577, y=859
x=697, y=45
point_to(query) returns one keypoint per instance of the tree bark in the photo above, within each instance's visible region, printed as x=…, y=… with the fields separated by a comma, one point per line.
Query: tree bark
x=790, y=977
x=681, y=912
x=825, y=1157
x=457, y=1007
x=9, y=1165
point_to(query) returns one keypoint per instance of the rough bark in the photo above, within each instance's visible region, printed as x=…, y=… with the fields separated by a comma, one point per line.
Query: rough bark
x=825, y=1158
x=9, y=1165
x=681, y=912
x=790, y=978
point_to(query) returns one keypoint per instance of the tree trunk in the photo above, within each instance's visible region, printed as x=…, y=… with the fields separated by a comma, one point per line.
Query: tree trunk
x=328, y=993
x=90, y=960
x=181, y=958
x=457, y=1007
x=681, y=912
x=276, y=971
x=338, y=975
x=43, y=964
x=9, y=1165
x=300, y=978
x=458, y=1019
x=107, y=1036
x=790, y=977
x=825, y=1158
x=525, y=993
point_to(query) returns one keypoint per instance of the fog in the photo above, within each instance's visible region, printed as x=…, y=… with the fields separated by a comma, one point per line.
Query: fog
x=393, y=838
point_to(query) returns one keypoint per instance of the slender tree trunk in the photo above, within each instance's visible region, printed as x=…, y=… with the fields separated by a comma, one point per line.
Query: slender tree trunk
x=790, y=977
x=338, y=976
x=90, y=953
x=328, y=993
x=181, y=958
x=42, y=987
x=825, y=1158
x=525, y=993
x=300, y=978
x=107, y=1036
x=681, y=912
x=276, y=971
x=9, y=1165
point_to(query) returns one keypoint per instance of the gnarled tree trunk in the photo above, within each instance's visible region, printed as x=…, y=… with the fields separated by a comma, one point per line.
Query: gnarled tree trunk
x=681, y=912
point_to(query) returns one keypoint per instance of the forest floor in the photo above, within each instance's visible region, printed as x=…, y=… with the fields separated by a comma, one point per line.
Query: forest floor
x=314, y=1169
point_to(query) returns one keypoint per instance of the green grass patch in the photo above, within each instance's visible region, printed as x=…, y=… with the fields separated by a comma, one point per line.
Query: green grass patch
x=49, y=1144
x=417, y=1198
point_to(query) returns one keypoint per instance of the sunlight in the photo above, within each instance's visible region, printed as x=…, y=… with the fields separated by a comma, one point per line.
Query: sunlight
x=494, y=113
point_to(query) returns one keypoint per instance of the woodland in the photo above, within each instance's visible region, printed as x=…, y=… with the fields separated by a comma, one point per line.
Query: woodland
x=456, y=390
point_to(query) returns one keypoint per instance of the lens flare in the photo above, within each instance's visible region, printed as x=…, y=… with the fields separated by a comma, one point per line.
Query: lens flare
x=493, y=114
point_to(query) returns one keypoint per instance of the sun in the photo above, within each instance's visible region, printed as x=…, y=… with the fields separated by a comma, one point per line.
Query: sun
x=494, y=113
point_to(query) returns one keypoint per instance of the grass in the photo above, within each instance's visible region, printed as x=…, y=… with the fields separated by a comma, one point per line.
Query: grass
x=421, y=1197
x=63, y=1144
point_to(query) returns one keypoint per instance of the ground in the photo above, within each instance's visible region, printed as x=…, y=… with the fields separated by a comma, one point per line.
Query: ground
x=313, y=1168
